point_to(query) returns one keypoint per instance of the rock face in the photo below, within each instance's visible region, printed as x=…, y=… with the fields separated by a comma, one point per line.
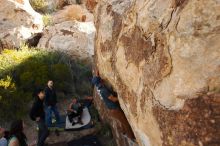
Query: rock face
x=163, y=59
x=71, y=37
x=91, y=4
x=18, y=22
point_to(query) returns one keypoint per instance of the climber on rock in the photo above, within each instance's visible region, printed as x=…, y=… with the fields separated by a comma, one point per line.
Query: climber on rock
x=37, y=114
x=111, y=103
x=109, y=99
x=50, y=104
x=75, y=110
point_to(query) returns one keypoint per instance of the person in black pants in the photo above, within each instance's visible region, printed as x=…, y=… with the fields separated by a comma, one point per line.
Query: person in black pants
x=75, y=109
x=37, y=114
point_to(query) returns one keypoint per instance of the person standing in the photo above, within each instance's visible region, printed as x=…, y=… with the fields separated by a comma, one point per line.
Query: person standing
x=37, y=114
x=50, y=104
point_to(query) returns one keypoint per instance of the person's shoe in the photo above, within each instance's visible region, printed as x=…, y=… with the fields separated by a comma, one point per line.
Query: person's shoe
x=57, y=132
x=80, y=122
x=73, y=123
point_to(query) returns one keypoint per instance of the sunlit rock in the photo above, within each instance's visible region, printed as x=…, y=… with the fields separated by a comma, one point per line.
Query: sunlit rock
x=163, y=58
x=71, y=37
x=18, y=22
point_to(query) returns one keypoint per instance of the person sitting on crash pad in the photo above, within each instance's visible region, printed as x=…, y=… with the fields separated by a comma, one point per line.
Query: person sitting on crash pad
x=109, y=99
x=74, y=110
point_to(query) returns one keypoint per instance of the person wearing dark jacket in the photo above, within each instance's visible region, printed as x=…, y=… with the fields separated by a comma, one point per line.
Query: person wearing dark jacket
x=107, y=96
x=50, y=104
x=37, y=114
x=111, y=102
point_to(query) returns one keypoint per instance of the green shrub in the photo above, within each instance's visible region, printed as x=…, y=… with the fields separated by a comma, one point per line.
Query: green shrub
x=82, y=75
x=47, y=20
x=22, y=72
x=38, y=5
x=7, y=83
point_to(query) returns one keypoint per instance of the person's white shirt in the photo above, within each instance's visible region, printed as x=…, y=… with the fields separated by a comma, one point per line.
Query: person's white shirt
x=3, y=141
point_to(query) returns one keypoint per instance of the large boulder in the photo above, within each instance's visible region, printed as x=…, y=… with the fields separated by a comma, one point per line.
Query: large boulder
x=71, y=37
x=163, y=59
x=18, y=22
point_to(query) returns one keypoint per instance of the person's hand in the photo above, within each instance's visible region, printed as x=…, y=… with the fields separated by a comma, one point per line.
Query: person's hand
x=89, y=97
x=38, y=119
x=74, y=111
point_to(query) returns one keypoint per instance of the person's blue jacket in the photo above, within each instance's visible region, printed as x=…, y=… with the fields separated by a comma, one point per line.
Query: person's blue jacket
x=105, y=93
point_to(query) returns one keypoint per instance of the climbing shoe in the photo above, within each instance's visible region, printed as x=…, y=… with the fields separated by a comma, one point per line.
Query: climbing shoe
x=81, y=122
x=73, y=123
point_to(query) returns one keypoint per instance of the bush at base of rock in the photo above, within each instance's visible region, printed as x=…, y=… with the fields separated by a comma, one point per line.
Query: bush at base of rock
x=23, y=71
x=47, y=20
